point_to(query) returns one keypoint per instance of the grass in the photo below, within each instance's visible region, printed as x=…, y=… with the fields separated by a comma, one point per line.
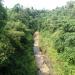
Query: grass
x=60, y=67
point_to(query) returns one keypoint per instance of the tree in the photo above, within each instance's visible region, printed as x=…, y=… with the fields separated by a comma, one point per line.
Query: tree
x=3, y=15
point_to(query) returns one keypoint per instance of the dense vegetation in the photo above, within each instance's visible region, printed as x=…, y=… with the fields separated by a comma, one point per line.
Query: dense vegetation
x=57, y=39
x=16, y=41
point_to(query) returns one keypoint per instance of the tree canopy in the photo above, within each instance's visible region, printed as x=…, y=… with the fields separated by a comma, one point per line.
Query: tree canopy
x=17, y=26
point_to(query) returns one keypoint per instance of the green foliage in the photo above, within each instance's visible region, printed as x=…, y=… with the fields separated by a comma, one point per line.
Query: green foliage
x=69, y=55
x=16, y=49
x=58, y=41
x=3, y=16
x=60, y=25
x=57, y=27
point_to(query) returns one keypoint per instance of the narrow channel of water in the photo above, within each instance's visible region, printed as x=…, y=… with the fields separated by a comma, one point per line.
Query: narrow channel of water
x=39, y=57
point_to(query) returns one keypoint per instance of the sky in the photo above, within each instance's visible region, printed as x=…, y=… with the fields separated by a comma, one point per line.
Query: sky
x=36, y=4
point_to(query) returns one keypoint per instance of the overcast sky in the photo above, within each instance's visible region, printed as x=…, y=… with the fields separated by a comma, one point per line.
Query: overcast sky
x=37, y=4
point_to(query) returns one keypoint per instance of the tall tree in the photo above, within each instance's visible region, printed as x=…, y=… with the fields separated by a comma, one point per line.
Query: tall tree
x=3, y=15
